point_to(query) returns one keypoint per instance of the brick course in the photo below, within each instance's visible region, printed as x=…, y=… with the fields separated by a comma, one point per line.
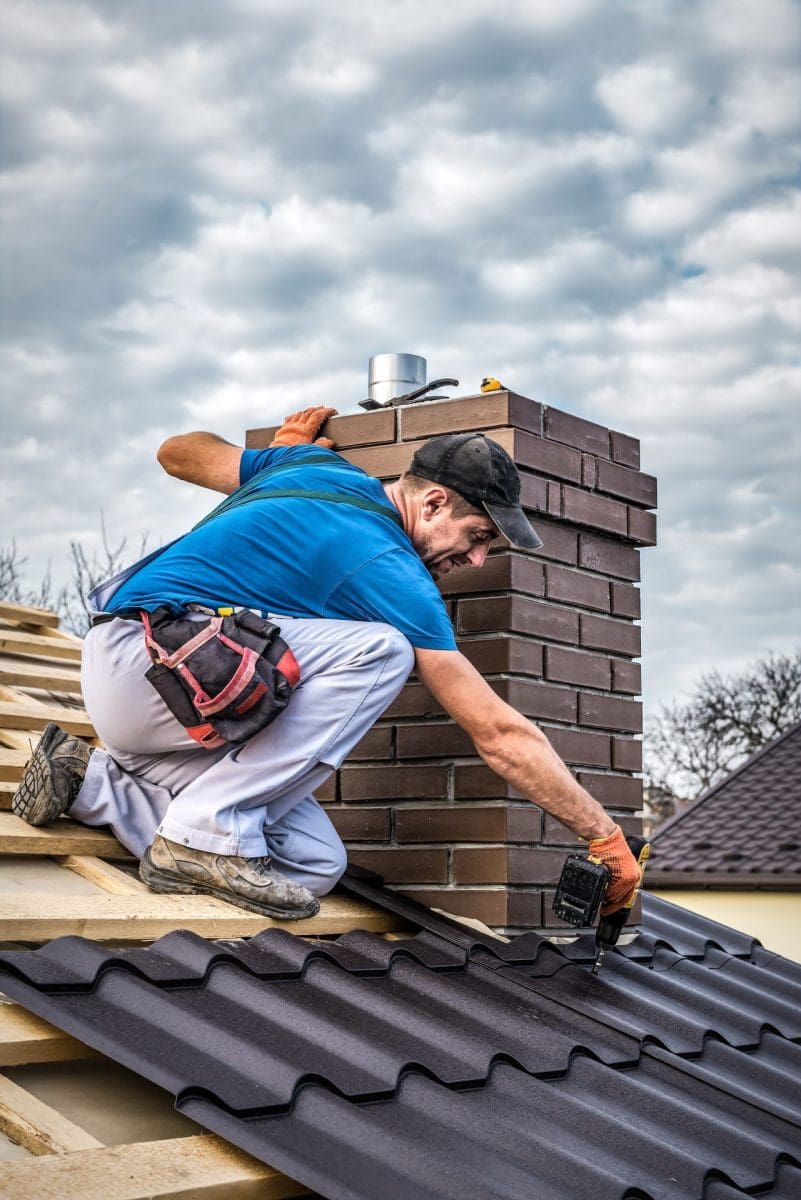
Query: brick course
x=554, y=635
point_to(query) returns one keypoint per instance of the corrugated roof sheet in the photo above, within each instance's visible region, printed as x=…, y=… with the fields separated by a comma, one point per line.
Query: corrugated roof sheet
x=451, y=1064
x=745, y=830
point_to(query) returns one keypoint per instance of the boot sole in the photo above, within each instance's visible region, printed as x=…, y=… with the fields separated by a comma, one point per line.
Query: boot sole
x=36, y=799
x=165, y=883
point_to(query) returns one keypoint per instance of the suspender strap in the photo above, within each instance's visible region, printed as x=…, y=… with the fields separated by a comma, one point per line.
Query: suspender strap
x=252, y=490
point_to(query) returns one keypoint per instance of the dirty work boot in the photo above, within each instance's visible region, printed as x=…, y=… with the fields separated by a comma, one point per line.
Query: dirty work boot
x=52, y=778
x=249, y=882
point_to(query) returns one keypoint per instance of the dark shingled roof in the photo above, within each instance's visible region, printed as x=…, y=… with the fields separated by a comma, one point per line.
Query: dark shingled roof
x=453, y=1065
x=744, y=832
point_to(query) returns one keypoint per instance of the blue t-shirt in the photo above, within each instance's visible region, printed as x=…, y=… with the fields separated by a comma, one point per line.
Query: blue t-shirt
x=300, y=557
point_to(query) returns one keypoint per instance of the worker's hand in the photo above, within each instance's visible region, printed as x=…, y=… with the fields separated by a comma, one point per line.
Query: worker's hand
x=614, y=853
x=302, y=428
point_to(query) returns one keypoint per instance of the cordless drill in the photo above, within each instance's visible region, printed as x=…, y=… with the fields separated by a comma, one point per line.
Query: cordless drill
x=580, y=892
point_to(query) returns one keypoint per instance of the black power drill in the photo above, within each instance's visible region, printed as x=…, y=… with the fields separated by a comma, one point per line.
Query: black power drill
x=580, y=892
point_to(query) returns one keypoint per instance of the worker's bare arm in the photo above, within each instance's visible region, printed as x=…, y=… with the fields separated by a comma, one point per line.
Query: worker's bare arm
x=509, y=743
x=202, y=458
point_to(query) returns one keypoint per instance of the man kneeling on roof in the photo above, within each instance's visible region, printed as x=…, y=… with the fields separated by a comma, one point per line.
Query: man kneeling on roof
x=346, y=567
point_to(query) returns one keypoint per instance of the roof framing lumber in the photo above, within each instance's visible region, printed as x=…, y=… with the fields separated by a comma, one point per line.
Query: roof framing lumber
x=25, y=1038
x=203, y=1167
x=28, y=614
x=59, y=837
x=32, y=714
x=105, y=876
x=17, y=641
x=47, y=676
x=37, y=1126
x=29, y=917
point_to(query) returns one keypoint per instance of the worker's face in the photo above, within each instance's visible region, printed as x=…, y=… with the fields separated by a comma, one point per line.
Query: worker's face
x=445, y=542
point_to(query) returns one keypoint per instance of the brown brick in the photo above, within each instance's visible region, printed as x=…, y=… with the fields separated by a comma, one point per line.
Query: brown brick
x=533, y=492
x=555, y=499
x=605, y=633
x=487, y=864
x=540, y=700
x=455, y=823
x=394, y=782
x=557, y=834
x=575, y=666
x=589, y=470
x=628, y=484
x=523, y=823
x=375, y=745
x=384, y=462
x=625, y=450
x=524, y=909
x=361, y=824
x=328, y=790
x=610, y=712
x=433, y=739
x=613, y=791
x=534, y=865
x=482, y=412
x=599, y=512
x=626, y=754
x=547, y=457
x=625, y=600
x=483, y=904
x=560, y=542
x=494, y=655
x=413, y=700
x=518, y=614
x=404, y=866
x=475, y=781
x=358, y=429
x=500, y=573
x=576, y=431
x=573, y=587
x=627, y=677
x=612, y=558
x=580, y=747
x=642, y=526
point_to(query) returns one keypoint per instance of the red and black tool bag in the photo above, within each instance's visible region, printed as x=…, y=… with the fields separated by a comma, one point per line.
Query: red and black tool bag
x=223, y=678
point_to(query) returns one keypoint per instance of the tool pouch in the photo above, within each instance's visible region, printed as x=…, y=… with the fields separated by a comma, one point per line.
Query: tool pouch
x=223, y=678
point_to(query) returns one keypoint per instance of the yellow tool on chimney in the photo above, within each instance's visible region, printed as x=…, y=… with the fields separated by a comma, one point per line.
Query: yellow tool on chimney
x=488, y=384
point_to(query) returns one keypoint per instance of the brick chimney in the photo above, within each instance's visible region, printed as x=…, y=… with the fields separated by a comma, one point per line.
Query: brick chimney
x=554, y=633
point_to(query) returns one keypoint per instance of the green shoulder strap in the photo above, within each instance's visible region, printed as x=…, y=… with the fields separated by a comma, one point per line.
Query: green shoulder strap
x=253, y=490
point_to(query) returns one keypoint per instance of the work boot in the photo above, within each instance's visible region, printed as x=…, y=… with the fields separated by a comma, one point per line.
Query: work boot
x=52, y=778
x=249, y=882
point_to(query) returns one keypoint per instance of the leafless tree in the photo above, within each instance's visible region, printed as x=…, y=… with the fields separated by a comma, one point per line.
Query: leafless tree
x=691, y=746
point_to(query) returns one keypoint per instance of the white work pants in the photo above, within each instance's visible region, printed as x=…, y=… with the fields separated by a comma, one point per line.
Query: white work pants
x=253, y=799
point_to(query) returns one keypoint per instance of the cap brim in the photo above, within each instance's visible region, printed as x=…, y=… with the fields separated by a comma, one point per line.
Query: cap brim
x=514, y=525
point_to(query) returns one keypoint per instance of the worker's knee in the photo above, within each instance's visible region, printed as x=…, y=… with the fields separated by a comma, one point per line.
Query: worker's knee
x=329, y=869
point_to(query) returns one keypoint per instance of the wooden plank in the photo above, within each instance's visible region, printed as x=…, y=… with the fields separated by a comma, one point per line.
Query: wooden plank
x=27, y=614
x=104, y=875
x=203, y=1167
x=29, y=917
x=40, y=675
x=29, y=714
x=59, y=837
x=19, y=642
x=37, y=1126
x=12, y=763
x=25, y=1038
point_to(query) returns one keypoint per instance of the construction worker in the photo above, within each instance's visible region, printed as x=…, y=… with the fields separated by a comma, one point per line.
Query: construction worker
x=352, y=586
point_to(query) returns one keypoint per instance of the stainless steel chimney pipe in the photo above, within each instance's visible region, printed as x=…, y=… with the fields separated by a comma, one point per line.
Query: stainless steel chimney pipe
x=391, y=375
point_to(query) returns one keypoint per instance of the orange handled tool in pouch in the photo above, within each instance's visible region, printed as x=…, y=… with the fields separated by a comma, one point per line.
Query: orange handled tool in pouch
x=581, y=890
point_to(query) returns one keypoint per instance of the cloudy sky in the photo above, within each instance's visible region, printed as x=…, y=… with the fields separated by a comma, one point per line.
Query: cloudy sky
x=217, y=210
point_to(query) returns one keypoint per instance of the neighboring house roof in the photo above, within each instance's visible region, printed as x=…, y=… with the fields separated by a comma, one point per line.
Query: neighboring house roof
x=451, y=1064
x=744, y=832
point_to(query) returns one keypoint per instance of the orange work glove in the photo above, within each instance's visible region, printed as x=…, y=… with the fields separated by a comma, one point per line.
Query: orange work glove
x=303, y=427
x=614, y=853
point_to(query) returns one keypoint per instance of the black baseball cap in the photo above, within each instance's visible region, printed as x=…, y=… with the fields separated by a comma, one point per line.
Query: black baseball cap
x=483, y=473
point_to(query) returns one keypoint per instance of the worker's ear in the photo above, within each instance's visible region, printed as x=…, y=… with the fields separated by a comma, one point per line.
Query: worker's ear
x=433, y=502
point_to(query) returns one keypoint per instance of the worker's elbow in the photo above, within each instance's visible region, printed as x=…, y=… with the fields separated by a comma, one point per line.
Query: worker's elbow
x=169, y=455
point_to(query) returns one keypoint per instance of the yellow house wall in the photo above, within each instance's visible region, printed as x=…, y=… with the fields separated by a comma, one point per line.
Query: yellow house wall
x=773, y=917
